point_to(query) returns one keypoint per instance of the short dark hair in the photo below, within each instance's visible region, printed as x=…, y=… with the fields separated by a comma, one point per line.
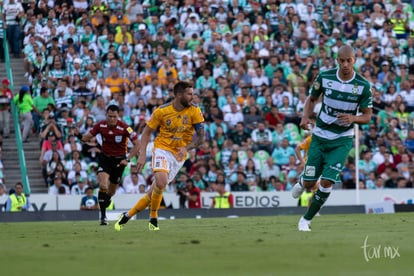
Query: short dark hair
x=181, y=86
x=18, y=184
x=112, y=107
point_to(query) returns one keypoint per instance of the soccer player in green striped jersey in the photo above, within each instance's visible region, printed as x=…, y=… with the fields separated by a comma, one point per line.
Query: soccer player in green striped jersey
x=346, y=100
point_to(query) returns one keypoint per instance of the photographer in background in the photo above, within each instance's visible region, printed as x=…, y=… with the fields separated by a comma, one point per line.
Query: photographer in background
x=182, y=188
x=50, y=127
x=192, y=194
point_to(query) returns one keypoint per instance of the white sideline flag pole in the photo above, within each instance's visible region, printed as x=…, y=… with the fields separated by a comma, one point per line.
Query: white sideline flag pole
x=357, y=164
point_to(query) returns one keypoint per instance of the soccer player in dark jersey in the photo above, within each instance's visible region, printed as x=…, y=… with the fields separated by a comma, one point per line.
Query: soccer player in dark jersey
x=343, y=92
x=114, y=156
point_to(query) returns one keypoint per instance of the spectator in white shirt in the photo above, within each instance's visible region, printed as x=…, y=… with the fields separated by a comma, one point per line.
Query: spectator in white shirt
x=80, y=187
x=262, y=138
x=192, y=27
x=407, y=94
x=233, y=117
x=132, y=185
x=228, y=42
x=63, y=28
x=259, y=79
x=270, y=169
x=58, y=188
x=237, y=54
x=103, y=90
x=367, y=31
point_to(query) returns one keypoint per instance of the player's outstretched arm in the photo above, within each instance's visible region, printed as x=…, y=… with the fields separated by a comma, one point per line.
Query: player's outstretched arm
x=199, y=139
x=308, y=108
x=196, y=142
x=83, y=138
x=135, y=149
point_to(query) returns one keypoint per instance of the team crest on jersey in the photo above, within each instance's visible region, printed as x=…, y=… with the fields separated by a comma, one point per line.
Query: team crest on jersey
x=316, y=85
x=328, y=92
x=118, y=139
x=355, y=89
x=168, y=122
x=185, y=119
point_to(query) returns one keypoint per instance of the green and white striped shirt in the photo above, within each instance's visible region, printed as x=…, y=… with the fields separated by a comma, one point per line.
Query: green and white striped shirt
x=339, y=97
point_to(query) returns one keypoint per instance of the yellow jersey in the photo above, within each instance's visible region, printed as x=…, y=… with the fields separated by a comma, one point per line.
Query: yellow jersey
x=304, y=145
x=176, y=128
x=115, y=85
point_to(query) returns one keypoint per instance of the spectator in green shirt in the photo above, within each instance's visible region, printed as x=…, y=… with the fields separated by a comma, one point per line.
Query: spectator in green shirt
x=43, y=100
x=25, y=105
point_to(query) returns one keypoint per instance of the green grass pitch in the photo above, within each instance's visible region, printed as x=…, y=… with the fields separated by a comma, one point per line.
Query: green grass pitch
x=271, y=245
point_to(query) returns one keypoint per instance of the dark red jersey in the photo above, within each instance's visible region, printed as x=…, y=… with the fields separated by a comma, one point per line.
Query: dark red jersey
x=195, y=204
x=114, y=139
x=6, y=95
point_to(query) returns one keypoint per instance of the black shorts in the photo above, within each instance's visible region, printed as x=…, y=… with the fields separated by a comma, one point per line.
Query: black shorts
x=111, y=165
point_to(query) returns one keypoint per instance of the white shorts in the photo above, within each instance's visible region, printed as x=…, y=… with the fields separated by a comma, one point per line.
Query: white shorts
x=165, y=161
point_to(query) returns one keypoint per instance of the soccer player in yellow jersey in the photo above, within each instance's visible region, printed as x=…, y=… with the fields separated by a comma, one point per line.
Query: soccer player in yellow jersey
x=176, y=122
x=304, y=146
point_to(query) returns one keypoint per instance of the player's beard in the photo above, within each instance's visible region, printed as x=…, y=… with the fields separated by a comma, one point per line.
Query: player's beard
x=185, y=103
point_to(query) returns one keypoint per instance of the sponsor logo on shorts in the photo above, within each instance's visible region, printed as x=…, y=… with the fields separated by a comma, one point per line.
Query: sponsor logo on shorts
x=310, y=171
x=337, y=167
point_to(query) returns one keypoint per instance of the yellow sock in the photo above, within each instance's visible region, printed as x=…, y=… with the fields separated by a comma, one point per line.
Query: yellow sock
x=139, y=206
x=155, y=202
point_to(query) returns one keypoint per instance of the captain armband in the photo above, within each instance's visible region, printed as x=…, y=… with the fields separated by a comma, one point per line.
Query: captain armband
x=199, y=126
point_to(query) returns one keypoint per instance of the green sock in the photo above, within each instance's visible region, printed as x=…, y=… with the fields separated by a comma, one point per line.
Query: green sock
x=318, y=199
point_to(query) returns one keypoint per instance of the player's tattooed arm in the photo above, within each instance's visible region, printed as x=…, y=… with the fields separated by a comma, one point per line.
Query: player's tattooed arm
x=199, y=139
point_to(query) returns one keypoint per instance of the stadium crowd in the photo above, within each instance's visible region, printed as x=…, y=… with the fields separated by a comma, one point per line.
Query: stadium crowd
x=2, y=188
x=251, y=63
